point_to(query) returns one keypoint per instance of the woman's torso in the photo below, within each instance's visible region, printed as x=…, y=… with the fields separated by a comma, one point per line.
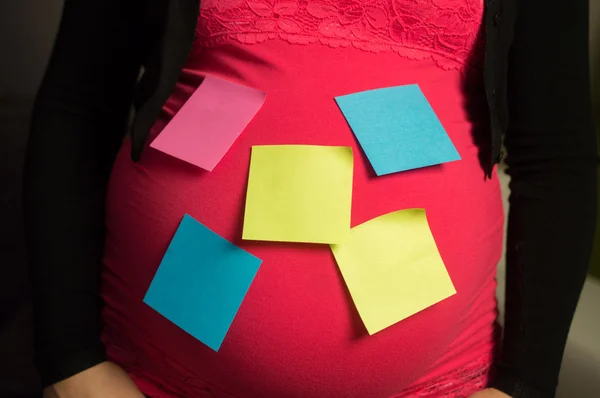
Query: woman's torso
x=297, y=333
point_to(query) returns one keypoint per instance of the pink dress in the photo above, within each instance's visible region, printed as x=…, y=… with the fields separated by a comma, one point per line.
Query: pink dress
x=297, y=333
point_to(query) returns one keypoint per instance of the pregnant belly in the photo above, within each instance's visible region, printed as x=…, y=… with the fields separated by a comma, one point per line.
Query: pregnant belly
x=297, y=333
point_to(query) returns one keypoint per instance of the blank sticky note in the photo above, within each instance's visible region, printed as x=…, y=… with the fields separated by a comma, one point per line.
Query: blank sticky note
x=299, y=193
x=201, y=282
x=392, y=268
x=209, y=122
x=397, y=129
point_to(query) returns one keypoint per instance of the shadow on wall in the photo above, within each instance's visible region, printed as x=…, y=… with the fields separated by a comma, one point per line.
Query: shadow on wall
x=579, y=373
x=27, y=31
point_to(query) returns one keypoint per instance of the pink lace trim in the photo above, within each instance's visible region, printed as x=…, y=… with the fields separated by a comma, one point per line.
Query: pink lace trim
x=444, y=30
x=461, y=383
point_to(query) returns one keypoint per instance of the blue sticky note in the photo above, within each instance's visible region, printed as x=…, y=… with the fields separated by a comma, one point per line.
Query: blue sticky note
x=201, y=282
x=397, y=129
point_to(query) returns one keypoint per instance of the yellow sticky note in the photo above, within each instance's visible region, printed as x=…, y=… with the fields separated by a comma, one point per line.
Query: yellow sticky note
x=392, y=268
x=299, y=193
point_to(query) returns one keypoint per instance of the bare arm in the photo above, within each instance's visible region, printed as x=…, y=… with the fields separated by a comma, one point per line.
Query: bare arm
x=104, y=380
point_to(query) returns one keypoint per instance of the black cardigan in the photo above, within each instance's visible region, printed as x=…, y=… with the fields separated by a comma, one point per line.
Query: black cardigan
x=536, y=72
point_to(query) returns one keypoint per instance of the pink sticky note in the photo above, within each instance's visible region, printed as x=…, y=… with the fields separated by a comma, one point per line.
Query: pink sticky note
x=209, y=122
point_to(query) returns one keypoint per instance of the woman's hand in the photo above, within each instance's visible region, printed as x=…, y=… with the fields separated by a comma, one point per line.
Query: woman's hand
x=105, y=380
x=489, y=393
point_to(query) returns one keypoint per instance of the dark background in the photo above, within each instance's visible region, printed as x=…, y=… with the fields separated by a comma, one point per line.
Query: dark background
x=27, y=29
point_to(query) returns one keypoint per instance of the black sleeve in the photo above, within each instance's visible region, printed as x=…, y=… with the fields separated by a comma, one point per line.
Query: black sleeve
x=551, y=154
x=78, y=125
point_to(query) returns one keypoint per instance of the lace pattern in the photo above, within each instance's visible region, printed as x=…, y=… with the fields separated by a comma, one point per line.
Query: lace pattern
x=444, y=30
x=460, y=383
x=165, y=374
